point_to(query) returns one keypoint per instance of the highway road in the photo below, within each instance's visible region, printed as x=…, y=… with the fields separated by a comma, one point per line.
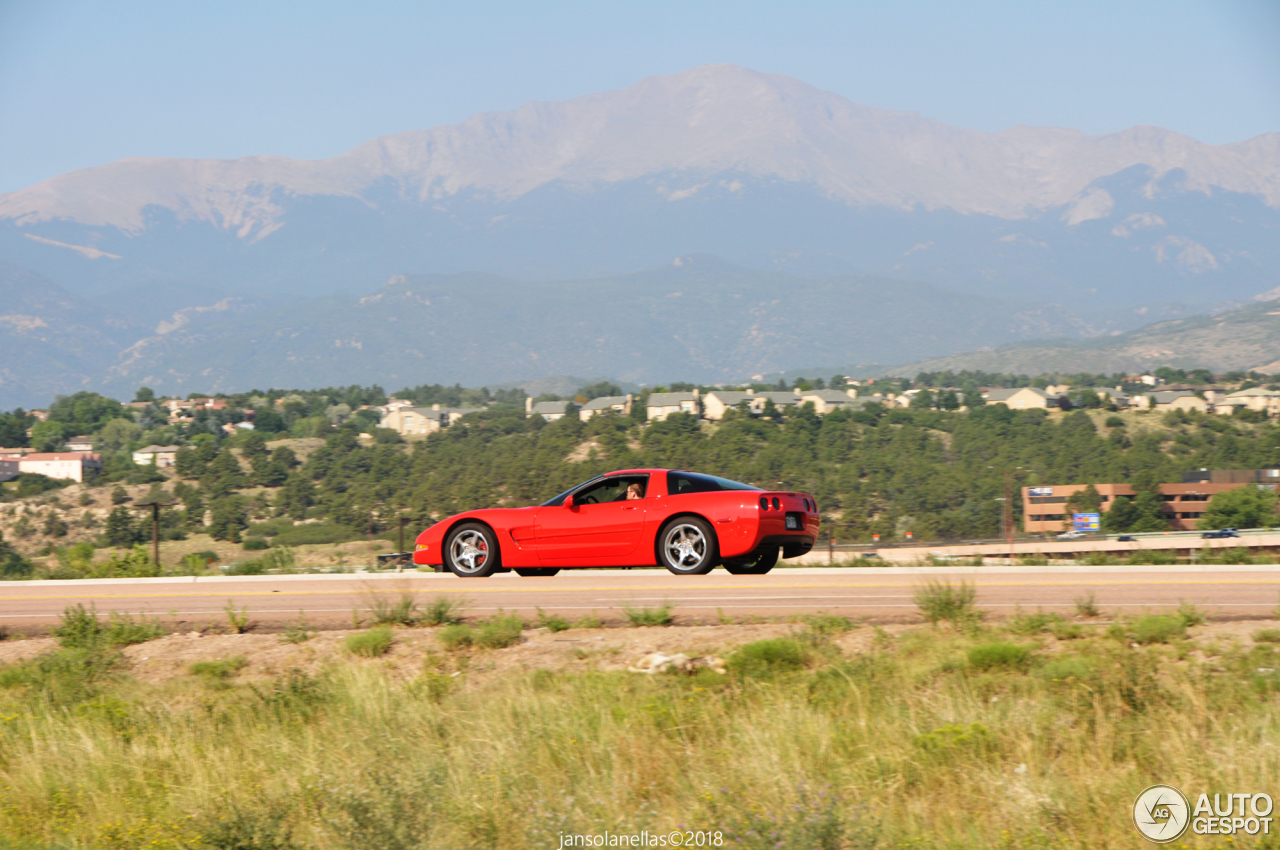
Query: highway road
x=879, y=594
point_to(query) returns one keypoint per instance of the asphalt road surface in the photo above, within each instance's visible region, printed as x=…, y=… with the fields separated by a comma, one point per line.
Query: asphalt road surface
x=879, y=594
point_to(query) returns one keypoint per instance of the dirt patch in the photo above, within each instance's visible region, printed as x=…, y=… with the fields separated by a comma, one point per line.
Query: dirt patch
x=574, y=650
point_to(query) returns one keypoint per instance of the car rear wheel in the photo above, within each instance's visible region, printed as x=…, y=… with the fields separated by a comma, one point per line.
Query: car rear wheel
x=471, y=551
x=687, y=546
x=534, y=572
x=756, y=564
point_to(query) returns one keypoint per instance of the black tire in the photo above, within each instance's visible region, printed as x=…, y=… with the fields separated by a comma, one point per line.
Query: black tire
x=756, y=564
x=687, y=546
x=471, y=551
x=534, y=572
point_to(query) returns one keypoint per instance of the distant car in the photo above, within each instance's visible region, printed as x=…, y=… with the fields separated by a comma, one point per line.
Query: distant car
x=1126, y=538
x=1220, y=533
x=684, y=521
x=1072, y=535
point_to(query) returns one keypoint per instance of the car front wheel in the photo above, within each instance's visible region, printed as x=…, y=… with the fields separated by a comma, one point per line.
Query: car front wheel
x=471, y=551
x=687, y=546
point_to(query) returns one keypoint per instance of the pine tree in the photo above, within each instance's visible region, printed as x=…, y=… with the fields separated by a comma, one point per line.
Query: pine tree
x=121, y=531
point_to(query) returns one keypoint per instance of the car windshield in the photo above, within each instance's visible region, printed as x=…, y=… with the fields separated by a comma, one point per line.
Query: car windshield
x=679, y=483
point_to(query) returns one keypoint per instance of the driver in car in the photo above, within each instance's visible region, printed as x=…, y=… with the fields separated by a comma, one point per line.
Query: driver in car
x=635, y=490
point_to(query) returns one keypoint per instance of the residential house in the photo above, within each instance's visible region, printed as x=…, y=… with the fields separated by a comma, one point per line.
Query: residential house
x=421, y=421
x=718, y=402
x=1257, y=398
x=619, y=404
x=161, y=457
x=548, y=410
x=9, y=469
x=1178, y=400
x=779, y=399
x=662, y=405
x=230, y=428
x=70, y=465
x=825, y=401
x=80, y=444
x=1022, y=398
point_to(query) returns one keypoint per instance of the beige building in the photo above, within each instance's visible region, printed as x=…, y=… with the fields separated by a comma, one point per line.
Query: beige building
x=1178, y=400
x=421, y=421
x=825, y=401
x=80, y=444
x=662, y=405
x=1259, y=399
x=619, y=404
x=161, y=457
x=1023, y=398
x=69, y=465
x=717, y=403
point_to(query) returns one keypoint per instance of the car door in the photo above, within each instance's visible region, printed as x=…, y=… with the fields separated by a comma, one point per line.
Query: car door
x=602, y=525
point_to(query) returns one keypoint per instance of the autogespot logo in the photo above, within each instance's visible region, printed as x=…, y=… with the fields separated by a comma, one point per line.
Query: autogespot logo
x=1161, y=813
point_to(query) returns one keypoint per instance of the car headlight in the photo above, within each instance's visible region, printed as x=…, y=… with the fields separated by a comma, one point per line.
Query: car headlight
x=421, y=546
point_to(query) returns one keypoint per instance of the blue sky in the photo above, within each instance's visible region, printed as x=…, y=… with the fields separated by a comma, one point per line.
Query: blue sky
x=84, y=83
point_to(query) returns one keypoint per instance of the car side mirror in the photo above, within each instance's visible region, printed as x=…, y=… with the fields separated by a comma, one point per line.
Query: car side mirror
x=568, y=501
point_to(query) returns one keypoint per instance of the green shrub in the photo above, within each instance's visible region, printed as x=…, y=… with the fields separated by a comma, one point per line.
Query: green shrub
x=1158, y=628
x=443, y=611
x=299, y=632
x=198, y=562
x=1267, y=636
x=1066, y=631
x=829, y=624
x=1032, y=624
x=400, y=612
x=456, y=636
x=304, y=535
x=256, y=544
x=371, y=643
x=1087, y=606
x=81, y=629
x=770, y=656
x=1233, y=555
x=660, y=616
x=551, y=622
x=1190, y=615
x=1152, y=557
x=500, y=631
x=954, y=738
x=219, y=672
x=1099, y=559
x=990, y=656
x=1066, y=669
x=587, y=621
x=939, y=600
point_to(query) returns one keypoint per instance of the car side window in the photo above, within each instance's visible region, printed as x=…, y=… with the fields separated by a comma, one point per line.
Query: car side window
x=613, y=489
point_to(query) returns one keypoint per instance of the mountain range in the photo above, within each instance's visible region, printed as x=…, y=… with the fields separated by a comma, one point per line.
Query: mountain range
x=1030, y=232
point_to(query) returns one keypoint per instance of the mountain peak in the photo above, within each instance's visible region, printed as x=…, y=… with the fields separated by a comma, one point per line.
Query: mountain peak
x=708, y=120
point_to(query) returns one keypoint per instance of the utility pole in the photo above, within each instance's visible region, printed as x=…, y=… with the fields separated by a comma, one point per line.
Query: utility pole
x=1008, y=511
x=155, y=526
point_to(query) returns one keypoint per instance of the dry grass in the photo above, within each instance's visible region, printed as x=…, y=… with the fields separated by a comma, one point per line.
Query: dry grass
x=932, y=744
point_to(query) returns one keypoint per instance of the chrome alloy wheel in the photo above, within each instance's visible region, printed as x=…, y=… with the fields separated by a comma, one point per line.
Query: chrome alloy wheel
x=469, y=551
x=685, y=546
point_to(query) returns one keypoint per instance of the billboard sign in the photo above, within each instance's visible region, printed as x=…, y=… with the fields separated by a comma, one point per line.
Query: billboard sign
x=1040, y=491
x=1086, y=522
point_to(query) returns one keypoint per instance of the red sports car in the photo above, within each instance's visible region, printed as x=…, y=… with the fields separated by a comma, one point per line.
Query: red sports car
x=683, y=521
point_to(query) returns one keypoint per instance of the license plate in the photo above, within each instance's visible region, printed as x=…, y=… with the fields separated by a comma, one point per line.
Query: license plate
x=793, y=523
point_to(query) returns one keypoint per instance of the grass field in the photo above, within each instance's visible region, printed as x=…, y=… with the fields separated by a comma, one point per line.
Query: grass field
x=1035, y=733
